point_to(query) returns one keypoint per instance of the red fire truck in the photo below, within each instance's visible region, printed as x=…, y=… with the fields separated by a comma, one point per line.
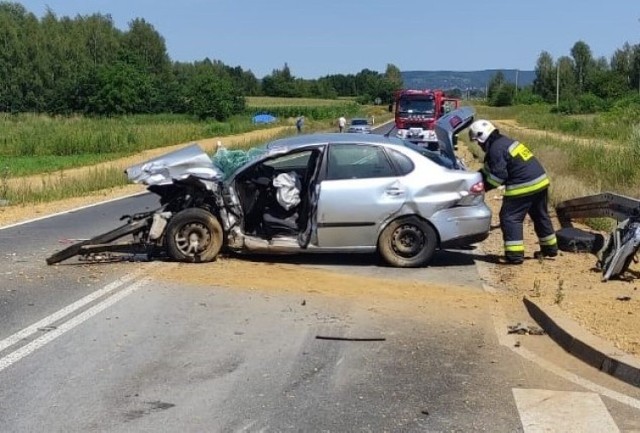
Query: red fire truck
x=416, y=112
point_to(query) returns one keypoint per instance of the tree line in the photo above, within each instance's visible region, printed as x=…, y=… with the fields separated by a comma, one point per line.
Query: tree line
x=63, y=65
x=576, y=83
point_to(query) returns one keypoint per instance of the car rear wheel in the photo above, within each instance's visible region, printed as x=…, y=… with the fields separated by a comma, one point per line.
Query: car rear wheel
x=194, y=235
x=408, y=243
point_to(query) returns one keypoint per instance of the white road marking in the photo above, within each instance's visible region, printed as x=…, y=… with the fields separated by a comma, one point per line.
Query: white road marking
x=20, y=353
x=71, y=210
x=47, y=321
x=547, y=411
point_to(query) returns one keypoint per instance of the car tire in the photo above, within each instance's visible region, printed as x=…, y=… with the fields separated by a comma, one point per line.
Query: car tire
x=575, y=240
x=408, y=243
x=194, y=235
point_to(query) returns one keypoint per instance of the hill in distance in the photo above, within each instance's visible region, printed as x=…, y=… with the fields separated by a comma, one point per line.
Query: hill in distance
x=463, y=80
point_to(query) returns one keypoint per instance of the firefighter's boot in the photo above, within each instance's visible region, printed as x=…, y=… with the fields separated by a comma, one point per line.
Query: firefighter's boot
x=514, y=258
x=546, y=251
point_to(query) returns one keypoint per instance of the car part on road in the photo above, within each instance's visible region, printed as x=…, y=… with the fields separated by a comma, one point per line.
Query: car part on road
x=623, y=242
x=135, y=226
x=322, y=337
x=575, y=240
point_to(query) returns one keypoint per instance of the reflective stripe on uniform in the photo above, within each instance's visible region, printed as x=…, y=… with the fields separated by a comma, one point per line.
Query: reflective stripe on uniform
x=527, y=187
x=491, y=179
x=548, y=240
x=514, y=246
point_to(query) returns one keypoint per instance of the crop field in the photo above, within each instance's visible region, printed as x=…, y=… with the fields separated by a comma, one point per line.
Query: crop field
x=31, y=144
x=48, y=148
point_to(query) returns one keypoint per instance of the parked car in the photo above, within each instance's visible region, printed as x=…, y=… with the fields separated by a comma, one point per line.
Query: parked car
x=311, y=193
x=360, y=126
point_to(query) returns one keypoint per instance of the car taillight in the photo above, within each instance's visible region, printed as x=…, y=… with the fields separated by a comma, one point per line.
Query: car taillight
x=477, y=188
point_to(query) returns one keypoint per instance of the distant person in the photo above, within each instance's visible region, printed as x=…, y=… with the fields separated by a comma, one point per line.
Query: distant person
x=510, y=163
x=342, y=122
x=300, y=124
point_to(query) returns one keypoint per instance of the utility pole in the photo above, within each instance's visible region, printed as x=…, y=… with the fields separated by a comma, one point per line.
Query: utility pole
x=558, y=84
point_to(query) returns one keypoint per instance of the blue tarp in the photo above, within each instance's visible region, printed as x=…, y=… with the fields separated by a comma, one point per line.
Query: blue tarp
x=264, y=118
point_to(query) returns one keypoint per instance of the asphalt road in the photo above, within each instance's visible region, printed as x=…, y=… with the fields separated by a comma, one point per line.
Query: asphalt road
x=111, y=347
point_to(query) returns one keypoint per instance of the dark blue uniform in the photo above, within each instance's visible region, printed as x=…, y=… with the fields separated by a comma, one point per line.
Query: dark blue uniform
x=510, y=163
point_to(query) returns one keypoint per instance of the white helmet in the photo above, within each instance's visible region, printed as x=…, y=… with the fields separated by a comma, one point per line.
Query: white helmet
x=480, y=130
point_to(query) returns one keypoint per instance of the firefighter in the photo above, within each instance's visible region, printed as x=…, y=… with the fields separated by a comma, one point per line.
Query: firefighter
x=510, y=163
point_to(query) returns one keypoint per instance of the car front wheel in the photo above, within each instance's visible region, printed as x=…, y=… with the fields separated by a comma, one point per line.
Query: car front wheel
x=194, y=235
x=408, y=243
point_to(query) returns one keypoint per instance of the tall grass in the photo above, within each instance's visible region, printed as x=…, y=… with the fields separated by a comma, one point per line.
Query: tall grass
x=615, y=125
x=58, y=186
x=38, y=144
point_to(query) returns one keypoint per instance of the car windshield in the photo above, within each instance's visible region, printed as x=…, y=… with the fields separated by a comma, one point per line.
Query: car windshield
x=229, y=160
x=416, y=106
x=356, y=122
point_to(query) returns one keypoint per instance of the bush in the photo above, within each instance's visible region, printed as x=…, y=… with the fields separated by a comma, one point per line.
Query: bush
x=589, y=103
x=567, y=106
x=527, y=97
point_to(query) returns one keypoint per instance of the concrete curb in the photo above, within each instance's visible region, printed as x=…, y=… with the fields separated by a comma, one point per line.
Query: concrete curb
x=583, y=345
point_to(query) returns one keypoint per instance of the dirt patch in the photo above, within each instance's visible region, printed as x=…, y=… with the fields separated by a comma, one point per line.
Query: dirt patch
x=568, y=281
x=383, y=295
x=571, y=282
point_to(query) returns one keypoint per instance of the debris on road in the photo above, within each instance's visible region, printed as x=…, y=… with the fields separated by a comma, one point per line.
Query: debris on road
x=322, y=337
x=521, y=329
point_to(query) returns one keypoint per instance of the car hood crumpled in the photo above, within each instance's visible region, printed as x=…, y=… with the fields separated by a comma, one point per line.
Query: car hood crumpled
x=180, y=164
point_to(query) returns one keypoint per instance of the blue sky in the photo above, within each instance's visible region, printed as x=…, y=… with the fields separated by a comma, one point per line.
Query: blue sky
x=317, y=38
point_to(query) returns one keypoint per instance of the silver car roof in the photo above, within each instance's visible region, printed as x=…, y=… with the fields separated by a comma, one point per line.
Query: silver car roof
x=299, y=141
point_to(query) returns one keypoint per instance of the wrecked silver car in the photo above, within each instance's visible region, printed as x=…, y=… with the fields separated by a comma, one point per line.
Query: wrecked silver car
x=309, y=193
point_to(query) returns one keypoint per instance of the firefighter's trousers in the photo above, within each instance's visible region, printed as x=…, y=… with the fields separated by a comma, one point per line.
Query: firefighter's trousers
x=512, y=215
